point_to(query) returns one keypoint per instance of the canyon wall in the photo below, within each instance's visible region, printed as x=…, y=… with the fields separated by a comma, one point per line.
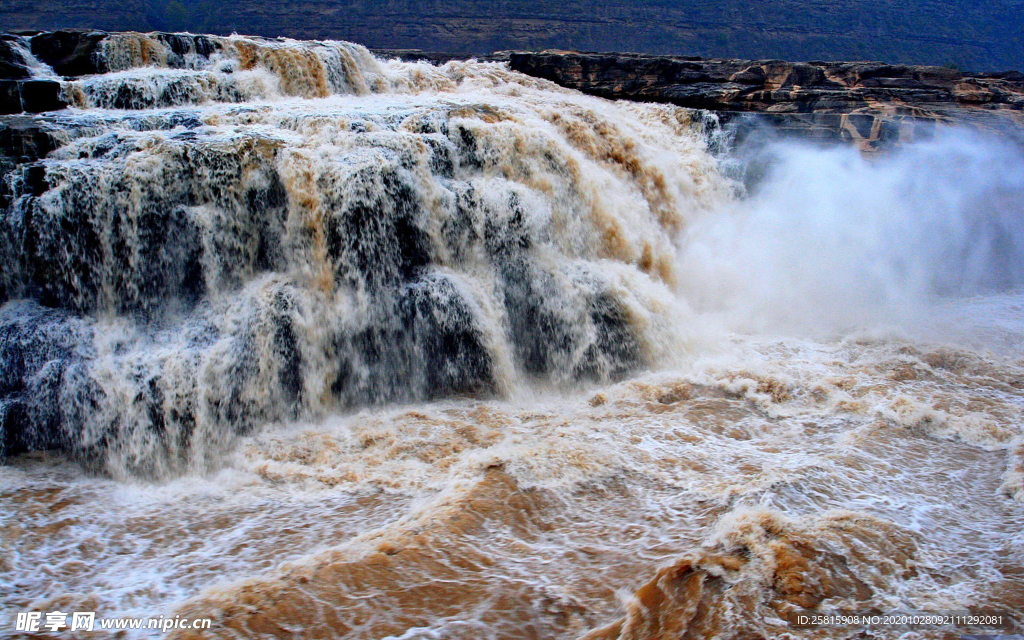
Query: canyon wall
x=871, y=104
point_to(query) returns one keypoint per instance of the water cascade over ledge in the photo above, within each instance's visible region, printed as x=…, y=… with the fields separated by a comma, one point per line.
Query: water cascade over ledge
x=237, y=231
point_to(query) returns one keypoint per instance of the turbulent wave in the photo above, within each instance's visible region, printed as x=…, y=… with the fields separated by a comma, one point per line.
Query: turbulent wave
x=374, y=349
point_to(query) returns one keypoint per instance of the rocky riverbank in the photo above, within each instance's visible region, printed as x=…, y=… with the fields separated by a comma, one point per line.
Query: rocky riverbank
x=869, y=103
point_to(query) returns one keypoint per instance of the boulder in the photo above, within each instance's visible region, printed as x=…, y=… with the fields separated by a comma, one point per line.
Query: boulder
x=10, y=97
x=25, y=139
x=12, y=63
x=38, y=96
x=70, y=53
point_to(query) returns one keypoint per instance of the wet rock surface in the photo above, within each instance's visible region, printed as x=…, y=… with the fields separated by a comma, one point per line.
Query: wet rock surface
x=70, y=53
x=30, y=96
x=12, y=64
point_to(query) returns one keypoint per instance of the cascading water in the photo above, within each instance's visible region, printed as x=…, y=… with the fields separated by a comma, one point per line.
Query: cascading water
x=218, y=267
x=320, y=345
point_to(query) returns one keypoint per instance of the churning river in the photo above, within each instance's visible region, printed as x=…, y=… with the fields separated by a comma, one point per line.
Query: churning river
x=318, y=345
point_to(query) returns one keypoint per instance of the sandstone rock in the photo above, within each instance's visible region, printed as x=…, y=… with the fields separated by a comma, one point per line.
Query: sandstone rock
x=755, y=85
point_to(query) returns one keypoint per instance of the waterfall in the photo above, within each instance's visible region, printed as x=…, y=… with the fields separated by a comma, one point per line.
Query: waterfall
x=237, y=231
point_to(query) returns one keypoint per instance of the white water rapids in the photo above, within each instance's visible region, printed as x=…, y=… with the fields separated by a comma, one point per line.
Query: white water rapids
x=324, y=346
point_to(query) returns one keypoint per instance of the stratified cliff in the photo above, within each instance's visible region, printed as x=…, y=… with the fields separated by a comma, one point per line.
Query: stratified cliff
x=868, y=103
x=971, y=35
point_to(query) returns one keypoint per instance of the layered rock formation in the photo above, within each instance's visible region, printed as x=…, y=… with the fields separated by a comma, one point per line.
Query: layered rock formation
x=68, y=53
x=870, y=103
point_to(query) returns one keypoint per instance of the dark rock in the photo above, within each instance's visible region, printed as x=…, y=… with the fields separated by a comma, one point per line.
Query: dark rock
x=22, y=141
x=26, y=139
x=12, y=64
x=35, y=180
x=424, y=344
x=38, y=96
x=182, y=44
x=12, y=427
x=70, y=53
x=449, y=345
x=10, y=97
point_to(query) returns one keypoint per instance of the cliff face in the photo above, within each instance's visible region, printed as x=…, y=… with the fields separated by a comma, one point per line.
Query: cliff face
x=971, y=35
x=868, y=103
x=771, y=85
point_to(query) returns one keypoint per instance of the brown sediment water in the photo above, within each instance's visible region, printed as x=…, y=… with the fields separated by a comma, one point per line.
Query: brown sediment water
x=317, y=345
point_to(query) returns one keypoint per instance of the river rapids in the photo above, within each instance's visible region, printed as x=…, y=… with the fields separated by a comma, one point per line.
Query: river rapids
x=320, y=345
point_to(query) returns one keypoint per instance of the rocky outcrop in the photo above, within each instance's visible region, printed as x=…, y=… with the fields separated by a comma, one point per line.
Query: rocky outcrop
x=12, y=62
x=870, y=103
x=30, y=96
x=772, y=86
x=23, y=140
x=70, y=53
x=19, y=91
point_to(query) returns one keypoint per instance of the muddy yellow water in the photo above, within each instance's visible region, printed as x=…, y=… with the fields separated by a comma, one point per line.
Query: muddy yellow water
x=361, y=349
x=771, y=479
